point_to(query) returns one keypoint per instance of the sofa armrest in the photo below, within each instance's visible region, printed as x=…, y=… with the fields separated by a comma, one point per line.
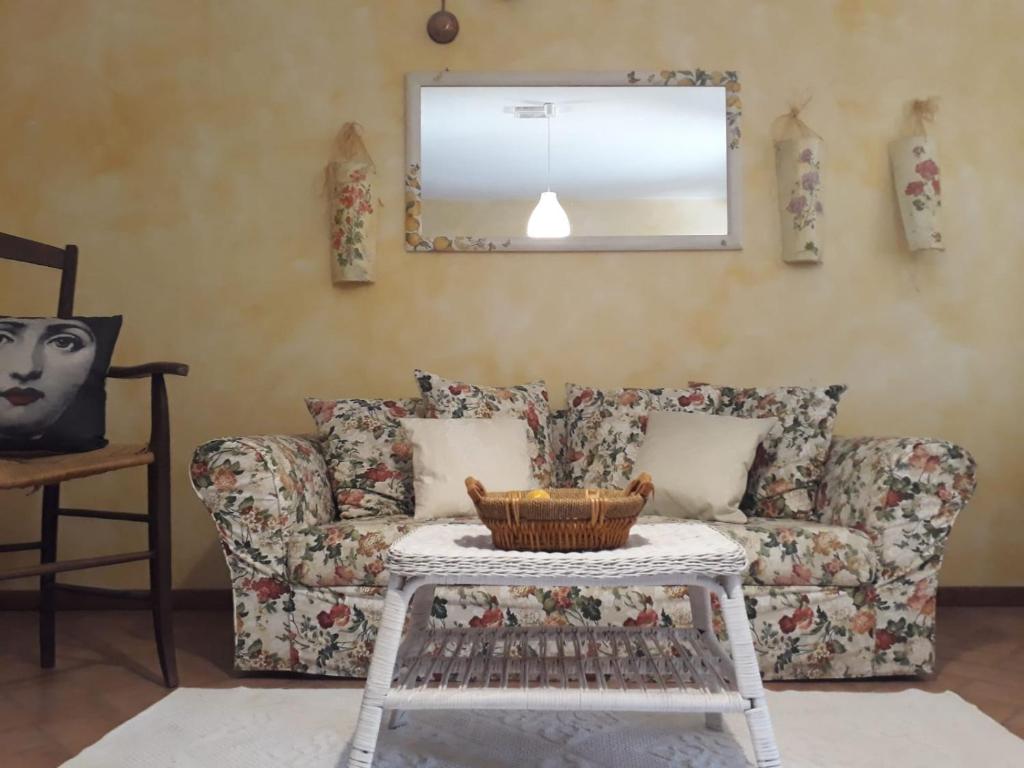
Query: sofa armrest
x=905, y=493
x=257, y=490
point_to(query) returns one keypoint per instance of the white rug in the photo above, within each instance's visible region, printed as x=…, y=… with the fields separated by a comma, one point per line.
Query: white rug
x=275, y=728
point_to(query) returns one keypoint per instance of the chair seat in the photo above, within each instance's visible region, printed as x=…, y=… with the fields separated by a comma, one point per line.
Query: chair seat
x=31, y=472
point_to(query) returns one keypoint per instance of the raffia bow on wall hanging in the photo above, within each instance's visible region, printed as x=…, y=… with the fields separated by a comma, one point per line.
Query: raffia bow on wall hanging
x=351, y=180
x=915, y=173
x=798, y=173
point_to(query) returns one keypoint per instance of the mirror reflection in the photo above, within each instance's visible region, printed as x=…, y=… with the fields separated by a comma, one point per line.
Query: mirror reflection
x=546, y=162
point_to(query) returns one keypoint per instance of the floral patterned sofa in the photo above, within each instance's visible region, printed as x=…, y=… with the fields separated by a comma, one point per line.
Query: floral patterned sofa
x=850, y=596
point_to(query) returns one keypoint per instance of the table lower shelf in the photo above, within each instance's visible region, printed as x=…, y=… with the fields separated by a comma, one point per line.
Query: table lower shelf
x=585, y=668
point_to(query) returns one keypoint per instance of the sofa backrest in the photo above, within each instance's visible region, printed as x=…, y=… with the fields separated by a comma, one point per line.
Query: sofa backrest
x=560, y=443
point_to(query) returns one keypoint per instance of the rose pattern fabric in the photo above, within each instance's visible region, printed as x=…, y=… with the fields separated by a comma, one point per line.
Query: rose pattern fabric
x=368, y=454
x=783, y=553
x=789, y=465
x=449, y=399
x=345, y=553
x=903, y=492
x=352, y=221
x=873, y=615
x=807, y=185
x=605, y=428
x=799, y=633
x=917, y=179
x=259, y=488
x=559, y=446
x=798, y=172
x=351, y=553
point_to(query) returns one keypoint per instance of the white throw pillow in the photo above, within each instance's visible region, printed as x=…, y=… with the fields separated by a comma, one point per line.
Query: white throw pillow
x=699, y=463
x=447, y=451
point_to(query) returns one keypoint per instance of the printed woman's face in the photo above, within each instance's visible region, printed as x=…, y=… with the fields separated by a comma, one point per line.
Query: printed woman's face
x=43, y=364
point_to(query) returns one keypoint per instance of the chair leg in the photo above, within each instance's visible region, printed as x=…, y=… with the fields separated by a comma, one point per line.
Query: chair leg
x=47, y=583
x=160, y=569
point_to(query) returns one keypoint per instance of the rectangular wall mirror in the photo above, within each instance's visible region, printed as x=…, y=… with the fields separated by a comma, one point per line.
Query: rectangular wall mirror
x=573, y=162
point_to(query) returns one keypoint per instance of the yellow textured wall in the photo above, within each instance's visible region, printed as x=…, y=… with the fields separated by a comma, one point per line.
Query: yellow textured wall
x=181, y=145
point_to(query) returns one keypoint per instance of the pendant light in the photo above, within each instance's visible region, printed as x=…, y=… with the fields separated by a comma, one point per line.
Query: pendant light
x=548, y=218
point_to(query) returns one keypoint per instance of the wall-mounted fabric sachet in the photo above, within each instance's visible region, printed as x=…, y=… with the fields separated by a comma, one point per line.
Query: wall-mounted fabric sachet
x=915, y=174
x=798, y=173
x=351, y=182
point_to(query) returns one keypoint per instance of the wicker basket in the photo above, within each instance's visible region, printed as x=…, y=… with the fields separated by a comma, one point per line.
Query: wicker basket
x=572, y=520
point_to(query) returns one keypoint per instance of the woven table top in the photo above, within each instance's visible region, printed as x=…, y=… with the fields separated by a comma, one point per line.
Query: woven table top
x=458, y=552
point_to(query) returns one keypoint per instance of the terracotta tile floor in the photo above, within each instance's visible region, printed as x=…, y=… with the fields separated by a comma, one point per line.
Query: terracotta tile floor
x=107, y=672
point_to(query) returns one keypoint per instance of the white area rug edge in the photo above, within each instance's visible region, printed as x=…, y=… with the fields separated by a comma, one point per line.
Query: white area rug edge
x=867, y=725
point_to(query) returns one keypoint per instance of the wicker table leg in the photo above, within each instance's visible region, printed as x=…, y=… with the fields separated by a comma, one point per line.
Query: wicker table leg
x=700, y=608
x=748, y=676
x=382, y=667
x=419, y=620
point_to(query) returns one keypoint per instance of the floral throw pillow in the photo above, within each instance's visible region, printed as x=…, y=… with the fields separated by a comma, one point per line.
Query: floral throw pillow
x=369, y=457
x=605, y=428
x=790, y=463
x=448, y=399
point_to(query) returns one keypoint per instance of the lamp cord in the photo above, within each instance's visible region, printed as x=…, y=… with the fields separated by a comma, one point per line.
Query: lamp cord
x=548, y=120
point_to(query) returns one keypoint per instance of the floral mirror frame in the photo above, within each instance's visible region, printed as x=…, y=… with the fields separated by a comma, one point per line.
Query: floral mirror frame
x=416, y=239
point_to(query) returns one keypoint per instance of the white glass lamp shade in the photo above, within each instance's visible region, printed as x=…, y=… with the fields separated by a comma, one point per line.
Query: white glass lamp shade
x=548, y=218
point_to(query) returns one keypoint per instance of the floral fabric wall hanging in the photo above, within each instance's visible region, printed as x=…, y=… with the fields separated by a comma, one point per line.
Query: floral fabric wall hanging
x=798, y=173
x=353, y=209
x=915, y=173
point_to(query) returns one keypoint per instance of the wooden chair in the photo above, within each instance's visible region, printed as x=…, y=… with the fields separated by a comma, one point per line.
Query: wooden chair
x=50, y=471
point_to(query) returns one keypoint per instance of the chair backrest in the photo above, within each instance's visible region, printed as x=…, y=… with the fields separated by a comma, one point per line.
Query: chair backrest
x=65, y=259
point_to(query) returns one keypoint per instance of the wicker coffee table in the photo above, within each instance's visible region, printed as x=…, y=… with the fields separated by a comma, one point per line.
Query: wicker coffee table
x=652, y=669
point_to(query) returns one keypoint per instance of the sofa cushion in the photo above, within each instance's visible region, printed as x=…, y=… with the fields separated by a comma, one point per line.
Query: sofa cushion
x=369, y=459
x=448, y=399
x=781, y=553
x=701, y=461
x=790, y=464
x=604, y=428
x=446, y=452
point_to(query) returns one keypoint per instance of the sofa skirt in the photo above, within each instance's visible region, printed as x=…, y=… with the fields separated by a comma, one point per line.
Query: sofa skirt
x=799, y=632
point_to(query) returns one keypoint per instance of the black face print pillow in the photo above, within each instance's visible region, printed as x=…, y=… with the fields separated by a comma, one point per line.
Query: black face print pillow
x=52, y=375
